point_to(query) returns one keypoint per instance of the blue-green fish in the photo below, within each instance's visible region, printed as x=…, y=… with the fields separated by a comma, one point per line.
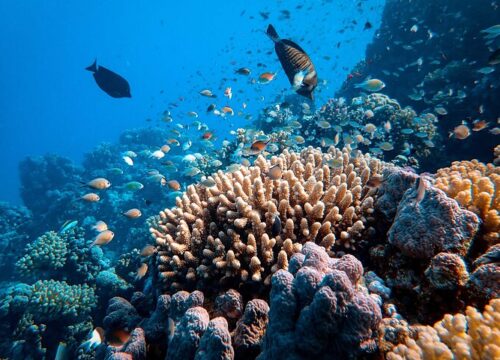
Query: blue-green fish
x=67, y=226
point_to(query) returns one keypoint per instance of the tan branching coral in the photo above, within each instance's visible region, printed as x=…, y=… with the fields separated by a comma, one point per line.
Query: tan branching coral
x=474, y=335
x=248, y=225
x=475, y=186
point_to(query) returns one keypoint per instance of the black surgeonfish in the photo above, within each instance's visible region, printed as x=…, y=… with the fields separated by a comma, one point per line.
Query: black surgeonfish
x=296, y=63
x=110, y=82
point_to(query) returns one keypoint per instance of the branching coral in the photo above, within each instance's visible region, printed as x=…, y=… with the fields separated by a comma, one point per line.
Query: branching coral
x=474, y=335
x=475, y=186
x=46, y=253
x=57, y=300
x=66, y=256
x=248, y=225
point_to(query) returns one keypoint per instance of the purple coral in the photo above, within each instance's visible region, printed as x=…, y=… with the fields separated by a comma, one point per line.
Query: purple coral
x=120, y=314
x=134, y=348
x=250, y=329
x=421, y=229
x=188, y=333
x=215, y=344
x=319, y=312
x=447, y=272
x=396, y=182
x=229, y=304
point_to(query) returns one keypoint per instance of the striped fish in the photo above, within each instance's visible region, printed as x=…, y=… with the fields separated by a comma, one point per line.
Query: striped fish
x=297, y=65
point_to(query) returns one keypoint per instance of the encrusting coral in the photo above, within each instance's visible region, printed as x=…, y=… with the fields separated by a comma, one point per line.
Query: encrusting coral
x=428, y=222
x=474, y=335
x=476, y=187
x=248, y=225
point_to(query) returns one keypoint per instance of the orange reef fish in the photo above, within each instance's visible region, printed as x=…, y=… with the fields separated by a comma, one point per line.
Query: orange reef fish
x=133, y=213
x=266, y=77
x=174, y=185
x=259, y=145
x=104, y=237
x=91, y=197
x=98, y=184
x=297, y=65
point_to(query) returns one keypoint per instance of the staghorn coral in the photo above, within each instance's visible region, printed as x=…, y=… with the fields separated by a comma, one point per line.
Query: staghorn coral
x=248, y=225
x=318, y=311
x=474, y=335
x=476, y=187
x=423, y=228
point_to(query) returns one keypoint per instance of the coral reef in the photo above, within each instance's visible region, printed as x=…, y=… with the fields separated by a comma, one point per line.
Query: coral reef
x=62, y=256
x=36, y=318
x=15, y=223
x=429, y=223
x=248, y=225
x=475, y=186
x=474, y=335
x=318, y=311
x=438, y=78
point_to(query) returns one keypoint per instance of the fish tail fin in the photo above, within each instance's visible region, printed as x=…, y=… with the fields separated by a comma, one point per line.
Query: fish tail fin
x=93, y=67
x=272, y=33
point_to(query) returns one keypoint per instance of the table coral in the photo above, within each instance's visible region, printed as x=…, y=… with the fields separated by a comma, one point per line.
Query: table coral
x=248, y=225
x=476, y=187
x=474, y=335
x=319, y=311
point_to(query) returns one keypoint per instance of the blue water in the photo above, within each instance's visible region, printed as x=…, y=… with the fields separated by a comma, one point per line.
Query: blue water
x=166, y=50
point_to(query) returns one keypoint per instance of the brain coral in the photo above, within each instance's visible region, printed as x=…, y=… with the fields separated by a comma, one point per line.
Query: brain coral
x=253, y=220
x=470, y=336
x=476, y=186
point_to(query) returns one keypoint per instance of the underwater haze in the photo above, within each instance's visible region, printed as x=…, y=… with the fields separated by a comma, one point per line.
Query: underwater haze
x=166, y=51
x=250, y=180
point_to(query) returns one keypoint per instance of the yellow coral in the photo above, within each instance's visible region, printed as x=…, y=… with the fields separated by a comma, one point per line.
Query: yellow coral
x=474, y=336
x=475, y=186
x=248, y=225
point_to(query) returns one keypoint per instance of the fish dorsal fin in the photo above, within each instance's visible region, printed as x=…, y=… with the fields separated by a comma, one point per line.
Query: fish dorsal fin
x=93, y=67
x=272, y=33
